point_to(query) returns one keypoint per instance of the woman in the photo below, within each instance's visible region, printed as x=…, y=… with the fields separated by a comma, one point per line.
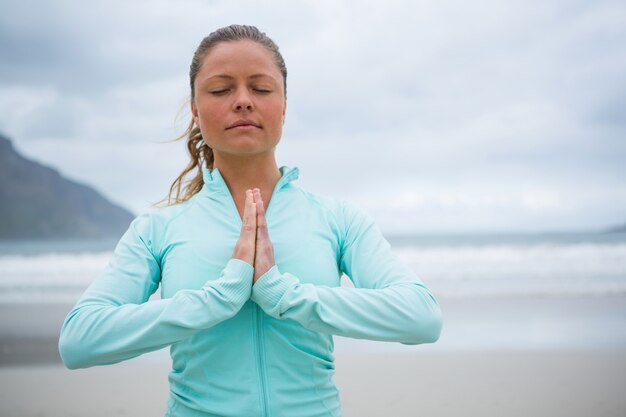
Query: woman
x=249, y=263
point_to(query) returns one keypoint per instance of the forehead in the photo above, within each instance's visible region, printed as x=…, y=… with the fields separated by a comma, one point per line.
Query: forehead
x=239, y=58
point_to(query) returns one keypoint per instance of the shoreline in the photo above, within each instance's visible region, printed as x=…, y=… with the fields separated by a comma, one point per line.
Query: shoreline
x=29, y=332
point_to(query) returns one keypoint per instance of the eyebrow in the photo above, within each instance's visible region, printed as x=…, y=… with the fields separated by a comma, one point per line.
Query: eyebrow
x=230, y=78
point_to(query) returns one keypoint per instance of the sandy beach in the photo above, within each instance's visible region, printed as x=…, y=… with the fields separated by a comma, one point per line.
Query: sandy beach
x=496, y=357
x=422, y=384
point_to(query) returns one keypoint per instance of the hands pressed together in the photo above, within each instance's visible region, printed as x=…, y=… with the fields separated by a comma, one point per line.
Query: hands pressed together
x=254, y=245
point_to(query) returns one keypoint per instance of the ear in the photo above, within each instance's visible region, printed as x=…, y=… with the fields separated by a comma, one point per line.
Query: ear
x=284, y=109
x=194, y=113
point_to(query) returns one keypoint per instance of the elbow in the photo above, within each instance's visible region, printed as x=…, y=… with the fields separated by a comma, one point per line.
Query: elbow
x=68, y=353
x=431, y=330
x=71, y=348
x=428, y=327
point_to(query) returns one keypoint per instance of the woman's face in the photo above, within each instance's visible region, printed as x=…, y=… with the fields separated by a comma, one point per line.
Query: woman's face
x=239, y=84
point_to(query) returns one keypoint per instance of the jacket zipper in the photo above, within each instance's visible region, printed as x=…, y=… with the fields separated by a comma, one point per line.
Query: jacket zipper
x=259, y=327
x=257, y=313
x=261, y=361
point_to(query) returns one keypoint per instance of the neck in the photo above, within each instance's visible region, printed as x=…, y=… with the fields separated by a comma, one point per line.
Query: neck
x=245, y=172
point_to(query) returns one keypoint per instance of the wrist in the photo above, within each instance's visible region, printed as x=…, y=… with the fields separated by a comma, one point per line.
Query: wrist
x=243, y=255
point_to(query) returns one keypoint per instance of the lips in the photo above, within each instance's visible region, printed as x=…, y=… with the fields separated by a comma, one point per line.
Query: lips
x=243, y=122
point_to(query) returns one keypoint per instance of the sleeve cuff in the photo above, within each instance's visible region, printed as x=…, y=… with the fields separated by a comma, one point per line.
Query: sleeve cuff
x=240, y=267
x=270, y=288
x=236, y=281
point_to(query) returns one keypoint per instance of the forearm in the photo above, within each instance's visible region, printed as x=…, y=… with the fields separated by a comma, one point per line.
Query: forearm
x=403, y=312
x=102, y=330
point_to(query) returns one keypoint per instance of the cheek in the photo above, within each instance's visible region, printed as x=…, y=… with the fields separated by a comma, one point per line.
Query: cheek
x=276, y=113
x=211, y=115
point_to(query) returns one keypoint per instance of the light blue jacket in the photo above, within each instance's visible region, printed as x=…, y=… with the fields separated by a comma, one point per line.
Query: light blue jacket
x=238, y=349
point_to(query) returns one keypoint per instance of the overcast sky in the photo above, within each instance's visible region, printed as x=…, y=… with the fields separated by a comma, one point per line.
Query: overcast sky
x=433, y=116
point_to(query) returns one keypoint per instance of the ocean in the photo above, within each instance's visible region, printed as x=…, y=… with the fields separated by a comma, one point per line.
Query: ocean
x=459, y=266
x=549, y=291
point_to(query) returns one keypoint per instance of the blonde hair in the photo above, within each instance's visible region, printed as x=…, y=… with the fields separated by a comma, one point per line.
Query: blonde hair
x=200, y=153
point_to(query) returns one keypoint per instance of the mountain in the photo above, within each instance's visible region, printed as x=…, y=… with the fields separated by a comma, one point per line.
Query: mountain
x=36, y=202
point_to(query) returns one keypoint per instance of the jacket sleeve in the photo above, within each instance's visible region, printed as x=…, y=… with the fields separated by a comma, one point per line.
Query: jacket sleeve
x=114, y=321
x=389, y=302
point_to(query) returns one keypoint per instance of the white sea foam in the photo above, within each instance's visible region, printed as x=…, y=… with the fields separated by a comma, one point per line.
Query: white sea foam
x=533, y=269
x=450, y=271
x=49, y=277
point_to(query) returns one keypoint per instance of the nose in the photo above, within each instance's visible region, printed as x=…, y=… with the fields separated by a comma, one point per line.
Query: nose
x=243, y=101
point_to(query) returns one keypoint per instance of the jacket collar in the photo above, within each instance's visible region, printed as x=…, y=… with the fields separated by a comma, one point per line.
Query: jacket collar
x=214, y=182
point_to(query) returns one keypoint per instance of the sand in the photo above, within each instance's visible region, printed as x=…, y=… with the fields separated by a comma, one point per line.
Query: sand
x=496, y=357
x=418, y=384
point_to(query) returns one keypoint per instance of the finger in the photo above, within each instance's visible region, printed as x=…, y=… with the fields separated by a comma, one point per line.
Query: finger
x=264, y=248
x=261, y=220
x=249, y=214
x=245, y=207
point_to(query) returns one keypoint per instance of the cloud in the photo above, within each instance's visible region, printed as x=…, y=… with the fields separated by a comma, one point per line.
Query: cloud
x=484, y=114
